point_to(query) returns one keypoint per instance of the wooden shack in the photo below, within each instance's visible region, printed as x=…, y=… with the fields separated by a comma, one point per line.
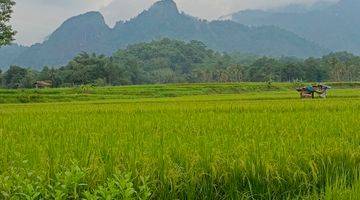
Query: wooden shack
x=43, y=84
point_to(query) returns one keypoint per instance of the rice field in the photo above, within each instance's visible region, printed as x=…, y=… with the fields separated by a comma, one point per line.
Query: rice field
x=225, y=145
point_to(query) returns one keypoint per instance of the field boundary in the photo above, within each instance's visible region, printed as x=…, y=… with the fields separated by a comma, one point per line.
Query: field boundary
x=88, y=93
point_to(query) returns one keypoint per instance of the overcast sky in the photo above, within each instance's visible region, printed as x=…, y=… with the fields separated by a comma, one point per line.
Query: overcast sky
x=36, y=19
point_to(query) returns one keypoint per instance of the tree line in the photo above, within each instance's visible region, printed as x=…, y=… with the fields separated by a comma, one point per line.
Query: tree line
x=172, y=61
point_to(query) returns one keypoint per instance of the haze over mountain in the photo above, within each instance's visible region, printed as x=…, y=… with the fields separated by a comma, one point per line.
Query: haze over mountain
x=89, y=32
x=36, y=19
x=334, y=26
x=8, y=54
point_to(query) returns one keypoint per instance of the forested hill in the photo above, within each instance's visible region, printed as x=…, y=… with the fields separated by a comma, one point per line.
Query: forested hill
x=163, y=19
x=172, y=61
x=89, y=33
x=334, y=26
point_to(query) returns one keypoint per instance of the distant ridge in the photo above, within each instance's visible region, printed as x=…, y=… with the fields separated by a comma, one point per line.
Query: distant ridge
x=8, y=54
x=335, y=26
x=88, y=32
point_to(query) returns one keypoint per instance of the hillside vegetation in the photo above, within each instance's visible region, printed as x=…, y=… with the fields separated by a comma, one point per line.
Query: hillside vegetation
x=172, y=61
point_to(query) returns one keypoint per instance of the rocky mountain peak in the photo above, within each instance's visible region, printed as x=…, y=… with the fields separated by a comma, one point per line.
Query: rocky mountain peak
x=164, y=7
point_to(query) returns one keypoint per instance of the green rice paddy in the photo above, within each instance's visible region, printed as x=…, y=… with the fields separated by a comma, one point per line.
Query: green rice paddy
x=232, y=141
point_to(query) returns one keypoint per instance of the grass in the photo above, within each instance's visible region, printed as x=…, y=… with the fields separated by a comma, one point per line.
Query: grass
x=245, y=145
x=88, y=93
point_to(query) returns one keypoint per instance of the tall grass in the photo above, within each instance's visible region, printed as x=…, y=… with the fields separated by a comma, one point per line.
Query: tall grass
x=195, y=147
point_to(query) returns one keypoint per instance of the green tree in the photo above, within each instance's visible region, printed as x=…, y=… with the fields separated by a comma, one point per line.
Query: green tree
x=264, y=69
x=236, y=73
x=85, y=69
x=29, y=79
x=201, y=75
x=44, y=74
x=14, y=77
x=6, y=32
x=292, y=71
x=314, y=70
x=115, y=73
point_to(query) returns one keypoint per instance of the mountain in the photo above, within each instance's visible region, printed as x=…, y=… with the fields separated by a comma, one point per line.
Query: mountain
x=88, y=32
x=163, y=19
x=302, y=8
x=85, y=32
x=334, y=26
x=9, y=54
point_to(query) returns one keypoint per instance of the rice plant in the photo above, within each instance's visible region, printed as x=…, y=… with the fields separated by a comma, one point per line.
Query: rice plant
x=268, y=145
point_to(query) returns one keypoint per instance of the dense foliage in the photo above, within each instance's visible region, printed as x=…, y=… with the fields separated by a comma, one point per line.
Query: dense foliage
x=6, y=32
x=171, y=61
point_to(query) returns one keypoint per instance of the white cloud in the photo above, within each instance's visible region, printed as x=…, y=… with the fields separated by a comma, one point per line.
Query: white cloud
x=36, y=19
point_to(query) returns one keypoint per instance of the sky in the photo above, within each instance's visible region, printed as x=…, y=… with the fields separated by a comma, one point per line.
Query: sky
x=34, y=20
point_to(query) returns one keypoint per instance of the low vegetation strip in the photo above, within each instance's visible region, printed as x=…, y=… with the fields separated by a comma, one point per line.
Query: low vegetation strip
x=88, y=93
x=186, y=147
